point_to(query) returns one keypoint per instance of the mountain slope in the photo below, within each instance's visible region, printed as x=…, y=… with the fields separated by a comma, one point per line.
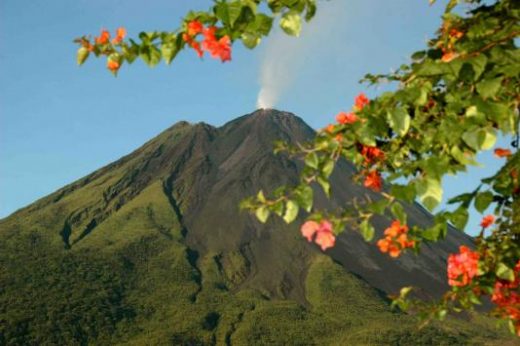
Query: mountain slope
x=152, y=249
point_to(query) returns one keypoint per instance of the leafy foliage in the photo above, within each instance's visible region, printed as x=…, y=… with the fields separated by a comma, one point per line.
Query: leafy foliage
x=451, y=102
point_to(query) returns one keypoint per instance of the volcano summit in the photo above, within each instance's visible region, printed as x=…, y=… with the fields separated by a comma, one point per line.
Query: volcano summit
x=152, y=249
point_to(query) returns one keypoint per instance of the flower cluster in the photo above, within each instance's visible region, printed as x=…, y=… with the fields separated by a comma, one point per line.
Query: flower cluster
x=217, y=48
x=501, y=152
x=487, y=221
x=462, y=267
x=506, y=297
x=321, y=232
x=395, y=240
x=100, y=45
x=448, y=51
x=371, y=154
x=346, y=118
x=373, y=181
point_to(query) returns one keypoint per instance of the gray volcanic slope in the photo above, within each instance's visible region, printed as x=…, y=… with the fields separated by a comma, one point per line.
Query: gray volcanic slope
x=163, y=223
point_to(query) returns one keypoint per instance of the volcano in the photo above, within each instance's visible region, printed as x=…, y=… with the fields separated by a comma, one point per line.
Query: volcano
x=152, y=249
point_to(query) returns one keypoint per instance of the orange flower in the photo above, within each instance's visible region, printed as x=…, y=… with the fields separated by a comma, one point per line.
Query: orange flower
x=487, y=221
x=373, y=181
x=113, y=65
x=449, y=56
x=501, y=152
x=396, y=239
x=330, y=128
x=384, y=244
x=195, y=27
x=187, y=38
x=361, y=101
x=346, y=118
x=339, y=137
x=456, y=33
x=103, y=38
x=394, y=251
x=462, y=267
x=120, y=35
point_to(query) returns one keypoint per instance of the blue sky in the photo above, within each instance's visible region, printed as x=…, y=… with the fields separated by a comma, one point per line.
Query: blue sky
x=59, y=122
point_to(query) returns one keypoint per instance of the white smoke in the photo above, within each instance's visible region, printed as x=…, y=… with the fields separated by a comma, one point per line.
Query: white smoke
x=285, y=56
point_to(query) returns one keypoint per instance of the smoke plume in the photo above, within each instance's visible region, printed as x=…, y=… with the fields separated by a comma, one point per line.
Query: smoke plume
x=285, y=56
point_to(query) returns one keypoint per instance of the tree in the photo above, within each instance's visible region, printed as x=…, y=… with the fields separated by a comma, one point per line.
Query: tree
x=451, y=102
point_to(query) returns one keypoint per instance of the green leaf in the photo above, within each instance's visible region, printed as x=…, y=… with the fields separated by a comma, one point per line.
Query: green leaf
x=380, y=206
x=169, y=50
x=263, y=24
x=291, y=23
x=325, y=185
x=464, y=198
x=234, y=10
x=262, y=214
x=291, y=211
x=312, y=160
x=250, y=40
x=464, y=158
x=480, y=139
x=404, y=192
x=367, y=230
x=82, y=55
x=435, y=232
x=399, y=120
x=277, y=208
x=479, y=65
x=429, y=191
x=260, y=196
x=305, y=195
x=504, y=272
x=398, y=212
x=459, y=218
x=327, y=168
x=311, y=10
x=150, y=55
x=489, y=87
x=483, y=200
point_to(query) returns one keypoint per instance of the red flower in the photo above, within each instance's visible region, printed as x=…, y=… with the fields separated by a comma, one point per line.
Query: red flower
x=323, y=231
x=487, y=221
x=120, y=35
x=372, y=154
x=373, y=181
x=346, y=118
x=103, y=38
x=361, y=101
x=501, y=152
x=217, y=49
x=462, y=267
x=507, y=299
x=195, y=27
